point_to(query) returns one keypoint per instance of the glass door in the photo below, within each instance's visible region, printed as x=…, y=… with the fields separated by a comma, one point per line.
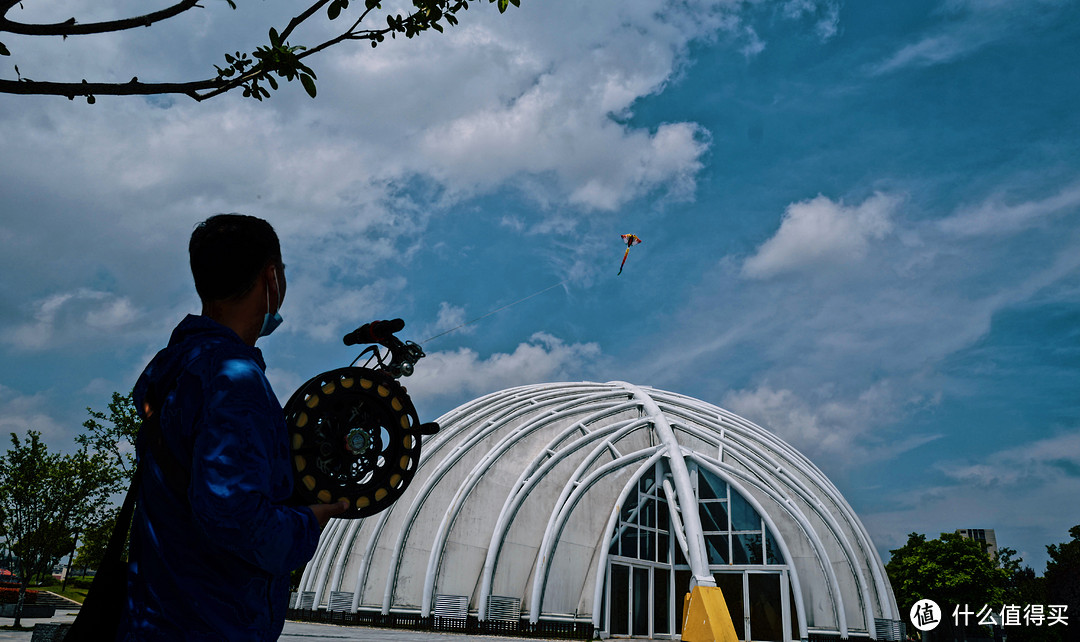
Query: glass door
x=639, y=600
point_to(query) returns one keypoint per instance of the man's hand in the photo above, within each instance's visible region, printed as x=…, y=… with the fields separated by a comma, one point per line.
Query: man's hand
x=323, y=512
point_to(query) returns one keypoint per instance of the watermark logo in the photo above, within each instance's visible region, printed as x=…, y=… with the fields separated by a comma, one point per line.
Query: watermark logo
x=925, y=615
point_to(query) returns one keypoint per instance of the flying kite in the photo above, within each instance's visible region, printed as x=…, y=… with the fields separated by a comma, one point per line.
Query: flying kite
x=630, y=240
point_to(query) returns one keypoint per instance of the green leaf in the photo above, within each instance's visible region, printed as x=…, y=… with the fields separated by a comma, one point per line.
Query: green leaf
x=275, y=39
x=309, y=84
x=371, y=4
x=231, y=4
x=90, y=100
x=502, y=5
x=333, y=11
x=4, y=50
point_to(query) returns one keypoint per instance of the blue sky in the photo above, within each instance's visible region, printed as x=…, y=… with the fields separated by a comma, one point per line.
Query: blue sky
x=860, y=225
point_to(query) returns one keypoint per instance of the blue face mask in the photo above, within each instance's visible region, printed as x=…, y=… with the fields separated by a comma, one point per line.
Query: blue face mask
x=271, y=321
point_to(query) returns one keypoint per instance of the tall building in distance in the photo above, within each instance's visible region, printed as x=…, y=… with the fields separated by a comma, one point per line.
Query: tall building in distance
x=984, y=536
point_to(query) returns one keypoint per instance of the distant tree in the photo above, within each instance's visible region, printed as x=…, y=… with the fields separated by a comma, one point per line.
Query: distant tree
x=113, y=435
x=1024, y=588
x=116, y=436
x=94, y=539
x=1063, y=577
x=952, y=571
x=44, y=498
x=252, y=71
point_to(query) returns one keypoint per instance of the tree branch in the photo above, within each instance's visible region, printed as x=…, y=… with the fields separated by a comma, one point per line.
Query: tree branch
x=72, y=28
x=251, y=73
x=133, y=88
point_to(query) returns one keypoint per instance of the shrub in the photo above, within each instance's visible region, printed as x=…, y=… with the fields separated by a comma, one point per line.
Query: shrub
x=11, y=596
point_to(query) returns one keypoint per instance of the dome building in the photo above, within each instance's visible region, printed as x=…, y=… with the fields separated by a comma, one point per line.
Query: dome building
x=602, y=504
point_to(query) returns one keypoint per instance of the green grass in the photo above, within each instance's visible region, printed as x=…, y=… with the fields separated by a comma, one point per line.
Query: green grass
x=70, y=592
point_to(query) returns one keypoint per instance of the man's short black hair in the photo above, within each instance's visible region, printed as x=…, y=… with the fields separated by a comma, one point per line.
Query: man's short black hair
x=228, y=251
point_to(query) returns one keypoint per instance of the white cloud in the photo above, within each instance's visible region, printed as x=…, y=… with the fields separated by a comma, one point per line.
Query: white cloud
x=449, y=318
x=325, y=311
x=826, y=15
x=1049, y=460
x=463, y=373
x=820, y=232
x=82, y=316
x=1009, y=490
x=20, y=413
x=995, y=216
x=966, y=27
x=836, y=432
x=931, y=50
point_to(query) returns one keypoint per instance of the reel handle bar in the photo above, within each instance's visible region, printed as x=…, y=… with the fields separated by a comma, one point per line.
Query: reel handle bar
x=403, y=354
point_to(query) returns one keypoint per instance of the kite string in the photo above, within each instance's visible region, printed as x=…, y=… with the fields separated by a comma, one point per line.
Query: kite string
x=537, y=293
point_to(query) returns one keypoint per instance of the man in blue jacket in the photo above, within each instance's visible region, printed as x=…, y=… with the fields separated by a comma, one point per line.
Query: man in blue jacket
x=214, y=538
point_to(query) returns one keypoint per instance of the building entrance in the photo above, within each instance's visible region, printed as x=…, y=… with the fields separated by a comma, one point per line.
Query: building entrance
x=640, y=601
x=647, y=574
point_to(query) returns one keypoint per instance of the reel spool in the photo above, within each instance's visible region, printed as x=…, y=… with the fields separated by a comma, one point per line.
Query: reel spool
x=354, y=435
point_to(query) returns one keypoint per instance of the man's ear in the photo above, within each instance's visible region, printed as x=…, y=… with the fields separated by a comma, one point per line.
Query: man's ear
x=273, y=280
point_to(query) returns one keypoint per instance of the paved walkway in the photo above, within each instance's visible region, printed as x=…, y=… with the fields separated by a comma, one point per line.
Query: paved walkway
x=299, y=632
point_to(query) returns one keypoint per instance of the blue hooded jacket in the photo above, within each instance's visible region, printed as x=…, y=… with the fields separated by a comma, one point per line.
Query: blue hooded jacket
x=215, y=564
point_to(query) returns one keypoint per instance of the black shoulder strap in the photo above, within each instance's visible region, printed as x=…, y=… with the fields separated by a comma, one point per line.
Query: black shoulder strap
x=176, y=475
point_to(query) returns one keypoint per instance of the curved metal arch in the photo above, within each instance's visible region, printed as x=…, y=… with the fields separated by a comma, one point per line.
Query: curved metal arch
x=528, y=480
x=695, y=539
x=452, y=428
x=830, y=522
x=555, y=525
x=317, y=575
x=456, y=504
x=331, y=551
x=718, y=469
x=742, y=441
x=613, y=520
x=445, y=465
x=337, y=571
x=781, y=468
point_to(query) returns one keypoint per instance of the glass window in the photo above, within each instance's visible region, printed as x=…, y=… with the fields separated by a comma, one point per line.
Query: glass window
x=646, y=540
x=731, y=587
x=717, y=548
x=743, y=515
x=640, y=615
x=662, y=547
x=620, y=599
x=766, y=622
x=709, y=487
x=648, y=513
x=746, y=548
x=661, y=600
x=680, y=557
x=663, y=514
x=628, y=545
x=772, y=551
x=713, y=516
x=682, y=587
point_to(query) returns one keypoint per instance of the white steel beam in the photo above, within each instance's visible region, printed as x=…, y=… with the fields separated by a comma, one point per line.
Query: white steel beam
x=558, y=519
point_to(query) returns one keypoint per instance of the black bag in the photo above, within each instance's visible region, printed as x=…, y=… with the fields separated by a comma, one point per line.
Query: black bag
x=99, y=618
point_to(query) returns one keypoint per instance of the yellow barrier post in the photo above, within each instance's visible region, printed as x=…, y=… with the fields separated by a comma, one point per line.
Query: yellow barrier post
x=706, y=617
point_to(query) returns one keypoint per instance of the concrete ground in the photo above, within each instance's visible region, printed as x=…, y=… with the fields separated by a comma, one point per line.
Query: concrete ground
x=296, y=632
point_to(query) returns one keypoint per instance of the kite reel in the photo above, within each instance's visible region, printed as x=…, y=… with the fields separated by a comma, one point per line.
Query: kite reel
x=354, y=433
